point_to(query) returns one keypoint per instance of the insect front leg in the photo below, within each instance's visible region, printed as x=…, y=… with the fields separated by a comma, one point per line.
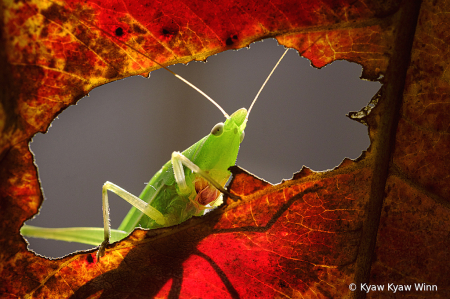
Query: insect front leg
x=133, y=200
x=178, y=160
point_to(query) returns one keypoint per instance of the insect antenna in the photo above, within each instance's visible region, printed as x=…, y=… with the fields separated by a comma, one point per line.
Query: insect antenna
x=264, y=84
x=173, y=73
x=197, y=89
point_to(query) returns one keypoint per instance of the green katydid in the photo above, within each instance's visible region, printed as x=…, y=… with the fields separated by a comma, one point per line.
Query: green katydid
x=175, y=193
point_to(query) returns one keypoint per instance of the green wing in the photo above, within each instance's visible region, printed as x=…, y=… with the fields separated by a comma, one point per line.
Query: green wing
x=162, y=192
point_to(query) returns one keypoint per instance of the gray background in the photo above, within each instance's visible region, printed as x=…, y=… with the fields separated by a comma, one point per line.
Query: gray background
x=126, y=130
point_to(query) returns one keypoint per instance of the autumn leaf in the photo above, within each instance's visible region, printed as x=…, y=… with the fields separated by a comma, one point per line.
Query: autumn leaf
x=378, y=220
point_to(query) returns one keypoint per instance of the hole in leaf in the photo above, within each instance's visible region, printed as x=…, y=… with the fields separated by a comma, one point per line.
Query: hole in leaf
x=231, y=40
x=119, y=31
x=125, y=131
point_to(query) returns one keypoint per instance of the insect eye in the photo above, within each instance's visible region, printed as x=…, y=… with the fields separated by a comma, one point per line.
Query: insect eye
x=242, y=136
x=217, y=130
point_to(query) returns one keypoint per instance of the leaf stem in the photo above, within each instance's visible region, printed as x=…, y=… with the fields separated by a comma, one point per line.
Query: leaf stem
x=385, y=137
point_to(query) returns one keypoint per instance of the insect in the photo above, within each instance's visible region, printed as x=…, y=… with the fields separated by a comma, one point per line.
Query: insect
x=191, y=183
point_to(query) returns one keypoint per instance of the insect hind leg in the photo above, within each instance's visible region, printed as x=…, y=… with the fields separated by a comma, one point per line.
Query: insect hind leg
x=134, y=201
